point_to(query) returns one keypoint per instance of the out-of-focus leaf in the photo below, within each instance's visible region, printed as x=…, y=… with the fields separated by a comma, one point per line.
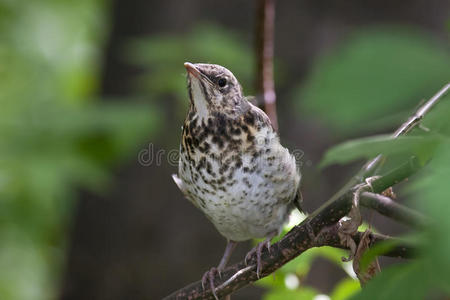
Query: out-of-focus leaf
x=433, y=201
x=366, y=226
x=273, y=281
x=301, y=264
x=368, y=147
x=333, y=255
x=207, y=43
x=345, y=289
x=377, y=250
x=302, y=293
x=375, y=72
x=163, y=56
x=54, y=137
x=429, y=273
x=405, y=281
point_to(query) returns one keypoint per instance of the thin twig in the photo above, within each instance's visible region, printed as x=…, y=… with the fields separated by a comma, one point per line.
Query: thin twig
x=389, y=208
x=421, y=112
x=264, y=51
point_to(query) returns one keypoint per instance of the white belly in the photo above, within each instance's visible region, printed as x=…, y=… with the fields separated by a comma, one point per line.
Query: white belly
x=252, y=203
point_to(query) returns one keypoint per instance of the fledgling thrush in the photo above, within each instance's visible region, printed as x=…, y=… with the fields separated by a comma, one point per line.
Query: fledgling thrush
x=232, y=165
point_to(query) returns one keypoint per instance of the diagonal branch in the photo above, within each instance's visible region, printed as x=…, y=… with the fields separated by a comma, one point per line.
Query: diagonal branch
x=421, y=112
x=389, y=208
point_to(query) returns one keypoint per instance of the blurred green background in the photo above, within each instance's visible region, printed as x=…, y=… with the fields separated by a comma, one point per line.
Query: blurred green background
x=86, y=86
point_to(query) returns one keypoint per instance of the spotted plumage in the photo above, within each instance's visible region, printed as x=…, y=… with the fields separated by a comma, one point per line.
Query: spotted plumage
x=232, y=165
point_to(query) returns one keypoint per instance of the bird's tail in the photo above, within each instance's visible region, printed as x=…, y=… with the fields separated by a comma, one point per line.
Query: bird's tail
x=298, y=201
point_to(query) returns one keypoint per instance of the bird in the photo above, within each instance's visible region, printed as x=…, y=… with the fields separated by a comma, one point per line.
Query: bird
x=232, y=166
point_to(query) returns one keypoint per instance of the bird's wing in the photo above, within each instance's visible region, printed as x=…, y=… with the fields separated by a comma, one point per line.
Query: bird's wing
x=183, y=189
x=298, y=200
x=179, y=184
x=261, y=115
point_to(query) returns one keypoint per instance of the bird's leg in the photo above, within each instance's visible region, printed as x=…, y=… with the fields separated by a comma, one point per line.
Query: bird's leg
x=209, y=275
x=258, y=250
x=348, y=225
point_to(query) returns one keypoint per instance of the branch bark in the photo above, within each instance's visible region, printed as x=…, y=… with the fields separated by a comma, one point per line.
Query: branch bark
x=264, y=54
x=402, y=250
x=391, y=209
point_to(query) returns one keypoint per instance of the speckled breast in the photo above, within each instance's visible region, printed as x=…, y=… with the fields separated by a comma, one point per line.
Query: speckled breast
x=238, y=174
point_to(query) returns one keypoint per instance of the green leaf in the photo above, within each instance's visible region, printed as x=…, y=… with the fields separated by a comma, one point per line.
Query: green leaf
x=369, y=147
x=331, y=254
x=405, y=281
x=427, y=276
x=274, y=281
x=433, y=201
x=377, y=250
x=345, y=289
x=374, y=73
x=303, y=293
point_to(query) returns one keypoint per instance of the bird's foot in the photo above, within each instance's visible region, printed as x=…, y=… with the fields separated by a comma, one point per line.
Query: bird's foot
x=209, y=277
x=258, y=250
x=348, y=225
x=210, y=274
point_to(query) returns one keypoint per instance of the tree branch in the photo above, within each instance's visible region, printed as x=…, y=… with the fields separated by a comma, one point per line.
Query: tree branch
x=264, y=54
x=297, y=241
x=385, y=206
x=401, y=250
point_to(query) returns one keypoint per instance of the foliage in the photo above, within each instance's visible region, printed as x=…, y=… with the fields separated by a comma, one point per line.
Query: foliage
x=162, y=56
x=54, y=137
x=368, y=147
x=372, y=77
x=376, y=74
x=427, y=275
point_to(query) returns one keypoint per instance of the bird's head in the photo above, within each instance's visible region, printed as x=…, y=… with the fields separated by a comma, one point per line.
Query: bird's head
x=213, y=88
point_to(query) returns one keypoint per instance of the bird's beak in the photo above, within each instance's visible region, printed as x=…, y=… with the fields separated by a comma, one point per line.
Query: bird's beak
x=192, y=70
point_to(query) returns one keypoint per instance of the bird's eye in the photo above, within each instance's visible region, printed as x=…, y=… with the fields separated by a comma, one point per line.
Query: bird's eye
x=222, y=82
